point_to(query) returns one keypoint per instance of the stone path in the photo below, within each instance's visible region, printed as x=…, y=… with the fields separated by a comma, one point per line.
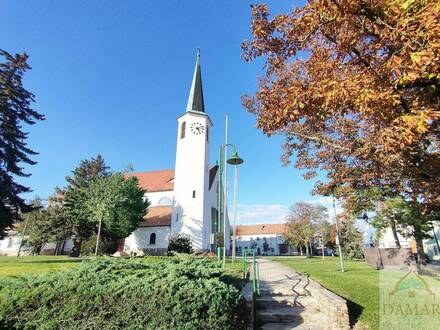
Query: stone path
x=284, y=301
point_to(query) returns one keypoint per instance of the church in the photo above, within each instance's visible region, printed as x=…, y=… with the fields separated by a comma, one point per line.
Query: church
x=183, y=200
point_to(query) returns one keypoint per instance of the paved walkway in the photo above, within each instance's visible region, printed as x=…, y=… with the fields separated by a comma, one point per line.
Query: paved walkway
x=284, y=301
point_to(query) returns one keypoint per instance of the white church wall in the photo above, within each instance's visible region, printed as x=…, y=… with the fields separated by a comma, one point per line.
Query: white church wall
x=140, y=238
x=191, y=180
x=160, y=198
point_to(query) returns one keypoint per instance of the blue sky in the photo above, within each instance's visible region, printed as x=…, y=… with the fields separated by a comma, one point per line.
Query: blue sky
x=113, y=76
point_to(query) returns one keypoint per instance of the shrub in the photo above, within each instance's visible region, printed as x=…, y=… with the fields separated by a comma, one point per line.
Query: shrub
x=179, y=244
x=181, y=292
x=107, y=245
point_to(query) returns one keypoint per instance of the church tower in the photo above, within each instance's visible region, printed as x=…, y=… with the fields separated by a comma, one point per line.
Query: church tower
x=191, y=212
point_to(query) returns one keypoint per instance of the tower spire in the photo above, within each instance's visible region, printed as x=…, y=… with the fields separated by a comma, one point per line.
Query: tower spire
x=195, y=99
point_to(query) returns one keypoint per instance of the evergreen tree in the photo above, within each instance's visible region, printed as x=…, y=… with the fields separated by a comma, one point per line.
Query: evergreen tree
x=15, y=110
x=351, y=240
x=47, y=226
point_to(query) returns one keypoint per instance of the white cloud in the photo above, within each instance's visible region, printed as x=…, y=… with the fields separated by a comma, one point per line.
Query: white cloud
x=260, y=213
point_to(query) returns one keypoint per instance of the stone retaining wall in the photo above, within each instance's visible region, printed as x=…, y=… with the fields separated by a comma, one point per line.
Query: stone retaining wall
x=332, y=305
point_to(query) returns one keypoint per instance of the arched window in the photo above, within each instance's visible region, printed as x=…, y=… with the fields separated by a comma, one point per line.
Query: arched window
x=182, y=130
x=207, y=133
x=165, y=201
x=153, y=239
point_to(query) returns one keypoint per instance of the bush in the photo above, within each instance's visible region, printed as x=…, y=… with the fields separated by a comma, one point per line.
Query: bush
x=107, y=245
x=181, y=292
x=179, y=244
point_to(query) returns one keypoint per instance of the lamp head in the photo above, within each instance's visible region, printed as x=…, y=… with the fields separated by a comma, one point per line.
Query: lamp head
x=235, y=159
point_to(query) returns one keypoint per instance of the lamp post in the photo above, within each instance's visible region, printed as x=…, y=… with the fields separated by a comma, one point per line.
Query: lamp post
x=233, y=160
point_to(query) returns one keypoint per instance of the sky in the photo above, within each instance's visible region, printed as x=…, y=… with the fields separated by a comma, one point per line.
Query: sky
x=111, y=77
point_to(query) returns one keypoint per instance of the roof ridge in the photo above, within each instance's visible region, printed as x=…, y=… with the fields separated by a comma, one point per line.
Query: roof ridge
x=155, y=171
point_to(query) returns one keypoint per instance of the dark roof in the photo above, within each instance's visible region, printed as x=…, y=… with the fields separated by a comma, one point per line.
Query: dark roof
x=195, y=99
x=157, y=216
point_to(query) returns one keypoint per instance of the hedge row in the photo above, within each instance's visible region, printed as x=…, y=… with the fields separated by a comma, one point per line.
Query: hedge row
x=181, y=292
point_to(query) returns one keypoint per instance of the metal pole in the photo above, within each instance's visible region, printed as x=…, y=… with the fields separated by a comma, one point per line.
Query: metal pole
x=220, y=191
x=22, y=235
x=341, y=261
x=225, y=204
x=234, y=234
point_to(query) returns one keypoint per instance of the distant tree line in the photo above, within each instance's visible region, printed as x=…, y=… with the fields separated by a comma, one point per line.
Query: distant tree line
x=309, y=230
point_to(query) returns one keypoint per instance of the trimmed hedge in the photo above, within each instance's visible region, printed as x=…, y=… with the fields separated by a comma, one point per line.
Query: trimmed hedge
x=181, y=292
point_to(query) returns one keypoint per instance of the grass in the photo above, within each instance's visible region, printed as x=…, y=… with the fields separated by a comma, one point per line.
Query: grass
x=359, y=285
x=27, y=265
x=234, y=273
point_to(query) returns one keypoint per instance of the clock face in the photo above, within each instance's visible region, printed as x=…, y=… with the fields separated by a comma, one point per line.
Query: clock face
x=197, y=128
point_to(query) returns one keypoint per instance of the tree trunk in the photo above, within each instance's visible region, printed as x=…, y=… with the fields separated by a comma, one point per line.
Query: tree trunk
x=418, y=236
x=76, y=249
x=307, y=250
x=301, y=250
x=322, y=247
x=422, y=257
x=394, y=230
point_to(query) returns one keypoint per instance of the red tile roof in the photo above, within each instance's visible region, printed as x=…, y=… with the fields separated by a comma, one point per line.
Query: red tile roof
x=156, y=180
x=273, y=228
x=157, y=216
x=164, y=180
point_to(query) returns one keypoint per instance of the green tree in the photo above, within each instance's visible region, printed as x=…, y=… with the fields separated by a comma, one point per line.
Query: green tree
x=45, y=225
x=351, y=240
x=15, y=110
x=75, y=198
x=115, y=205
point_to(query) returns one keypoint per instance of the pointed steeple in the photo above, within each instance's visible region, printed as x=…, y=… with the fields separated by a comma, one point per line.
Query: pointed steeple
x=195, y=99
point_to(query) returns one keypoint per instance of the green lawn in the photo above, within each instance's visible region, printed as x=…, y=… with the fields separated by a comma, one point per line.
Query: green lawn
x=11, y=266
x=359, y=284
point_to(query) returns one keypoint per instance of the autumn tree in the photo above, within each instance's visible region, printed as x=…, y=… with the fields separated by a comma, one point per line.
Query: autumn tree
x=301, y=225
x=354, y=87
x=15, y=112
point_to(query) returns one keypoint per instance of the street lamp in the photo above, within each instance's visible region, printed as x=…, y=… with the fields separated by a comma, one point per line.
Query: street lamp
x=233, y=160
x=338, y=243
